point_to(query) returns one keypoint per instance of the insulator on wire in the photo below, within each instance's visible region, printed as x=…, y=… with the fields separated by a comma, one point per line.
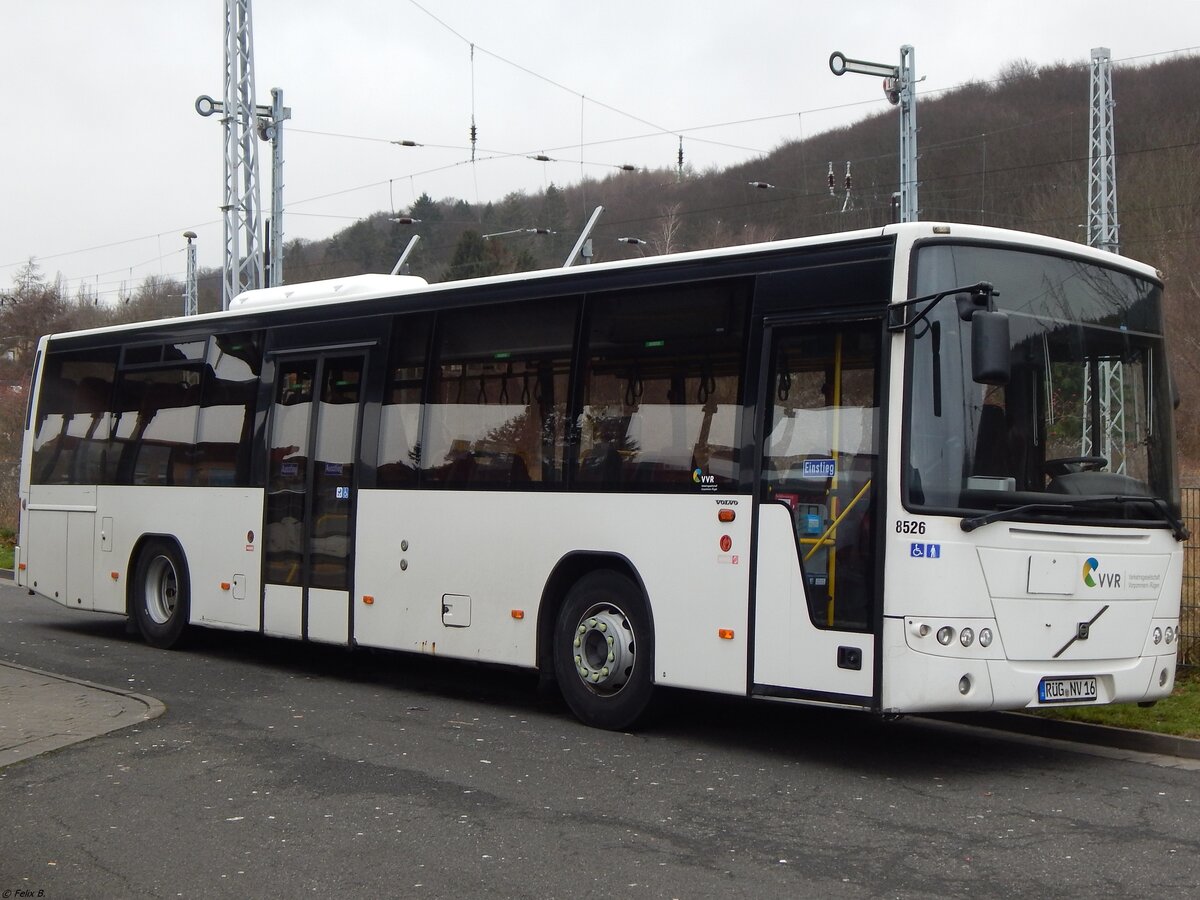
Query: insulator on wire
x=831, y=178
x=849, y=178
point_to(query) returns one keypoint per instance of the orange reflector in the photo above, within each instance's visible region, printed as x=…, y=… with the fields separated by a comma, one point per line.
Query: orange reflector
x=726, y=515
x=725, y=634
x=518, y=613
x=368, y=599
x=114, y=575
x=225, y=585
x=21, y=566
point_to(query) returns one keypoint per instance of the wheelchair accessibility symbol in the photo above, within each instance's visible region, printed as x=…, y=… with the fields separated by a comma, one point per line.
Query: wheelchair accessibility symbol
x=925, y=551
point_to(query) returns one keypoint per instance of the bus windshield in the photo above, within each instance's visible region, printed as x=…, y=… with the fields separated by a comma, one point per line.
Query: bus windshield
x=1086, y=412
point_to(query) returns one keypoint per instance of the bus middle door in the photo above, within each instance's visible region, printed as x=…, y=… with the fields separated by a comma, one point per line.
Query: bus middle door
x=315, y=417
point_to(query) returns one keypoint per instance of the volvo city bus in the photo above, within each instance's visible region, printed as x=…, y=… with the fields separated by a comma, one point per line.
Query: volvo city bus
x=919, y=468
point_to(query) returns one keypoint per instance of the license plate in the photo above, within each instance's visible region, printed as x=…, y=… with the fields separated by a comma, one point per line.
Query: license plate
x=1066, y=690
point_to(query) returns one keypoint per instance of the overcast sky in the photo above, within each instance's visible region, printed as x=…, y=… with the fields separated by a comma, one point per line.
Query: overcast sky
x=105, y=162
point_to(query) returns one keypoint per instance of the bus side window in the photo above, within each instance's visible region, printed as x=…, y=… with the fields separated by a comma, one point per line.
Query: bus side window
x=400, y=415
x=156, y=432
x=662, y=389
x=73, y=417
x=227, y=406
x=497, y=411
x=52, y=448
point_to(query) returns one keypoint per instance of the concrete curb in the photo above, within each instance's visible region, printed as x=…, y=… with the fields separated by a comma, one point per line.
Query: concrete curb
x=42, y=711
x=1080, y=733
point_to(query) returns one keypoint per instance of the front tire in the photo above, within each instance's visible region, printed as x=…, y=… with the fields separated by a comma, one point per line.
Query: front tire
x=604, y=651
x=161, y=594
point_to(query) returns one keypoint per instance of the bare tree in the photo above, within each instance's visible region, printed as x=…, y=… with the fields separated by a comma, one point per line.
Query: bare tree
x=665, y=239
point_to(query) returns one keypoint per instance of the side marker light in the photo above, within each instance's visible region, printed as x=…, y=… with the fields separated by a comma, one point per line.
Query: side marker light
x=518, y=614
x=368, y=599
x=725, y=634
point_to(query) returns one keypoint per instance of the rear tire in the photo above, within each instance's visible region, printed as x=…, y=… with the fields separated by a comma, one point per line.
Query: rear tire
x=161, y=594
x=604, y=651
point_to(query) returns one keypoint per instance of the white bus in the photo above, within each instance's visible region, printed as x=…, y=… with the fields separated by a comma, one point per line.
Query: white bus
x=920, y=468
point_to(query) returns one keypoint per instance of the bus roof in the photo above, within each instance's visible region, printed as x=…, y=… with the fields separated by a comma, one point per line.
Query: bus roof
x=355, y=288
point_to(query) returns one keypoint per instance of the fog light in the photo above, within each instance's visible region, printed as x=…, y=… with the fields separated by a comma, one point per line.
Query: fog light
x=920, y=629
x=945, y=635
x=966, y=637
x=964, y=685
x=985, y=637
x=1156, y=634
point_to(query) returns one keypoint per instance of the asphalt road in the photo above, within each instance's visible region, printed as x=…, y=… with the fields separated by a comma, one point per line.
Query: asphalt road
x=285, y=770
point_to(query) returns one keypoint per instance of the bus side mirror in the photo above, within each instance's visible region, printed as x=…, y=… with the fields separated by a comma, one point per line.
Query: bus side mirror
x=990, y=361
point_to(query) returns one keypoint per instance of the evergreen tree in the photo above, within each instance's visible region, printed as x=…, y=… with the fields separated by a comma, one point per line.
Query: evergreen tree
x=472, y=258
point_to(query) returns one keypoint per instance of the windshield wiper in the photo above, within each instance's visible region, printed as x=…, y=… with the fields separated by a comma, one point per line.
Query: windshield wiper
x=1178, y=529
x=970, y=523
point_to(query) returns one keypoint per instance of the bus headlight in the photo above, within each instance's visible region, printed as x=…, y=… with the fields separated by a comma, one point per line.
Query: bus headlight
x=966, y=637
x=945, y=635
x=1156, y=635
x=1170, y=634
x=985, y=637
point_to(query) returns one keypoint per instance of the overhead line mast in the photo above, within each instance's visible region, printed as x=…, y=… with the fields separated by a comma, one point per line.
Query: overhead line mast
x=900, y=87
x=245, y=122
x=243, y=249
x=1109, y=409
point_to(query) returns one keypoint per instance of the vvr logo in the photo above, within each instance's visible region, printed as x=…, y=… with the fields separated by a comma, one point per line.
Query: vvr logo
x=699, y=477
x=1101, y=579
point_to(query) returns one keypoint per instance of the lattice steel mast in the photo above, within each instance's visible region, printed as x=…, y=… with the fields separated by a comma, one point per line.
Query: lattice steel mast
x=244, y=121
x=243, y=249
x=1102, y=159
x=1102, y=230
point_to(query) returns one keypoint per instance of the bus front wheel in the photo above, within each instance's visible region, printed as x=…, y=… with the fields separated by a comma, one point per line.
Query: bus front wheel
x=162, y=595
x=604, y=651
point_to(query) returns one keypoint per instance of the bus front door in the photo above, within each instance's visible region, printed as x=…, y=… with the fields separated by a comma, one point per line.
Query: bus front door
x=816, y=574
x=309, y=528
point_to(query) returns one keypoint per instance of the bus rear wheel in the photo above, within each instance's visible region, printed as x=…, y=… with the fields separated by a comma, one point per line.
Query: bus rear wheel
x=161, y=594
x=604, y=651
